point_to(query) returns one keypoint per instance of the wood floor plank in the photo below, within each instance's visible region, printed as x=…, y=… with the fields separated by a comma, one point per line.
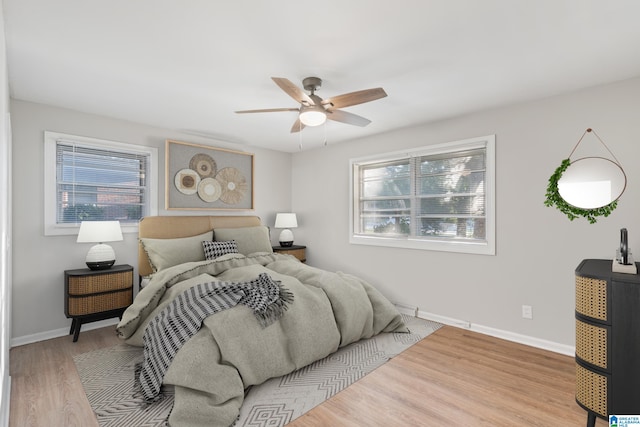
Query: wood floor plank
x=45, y=386
x=453, y=377
x=457, y=377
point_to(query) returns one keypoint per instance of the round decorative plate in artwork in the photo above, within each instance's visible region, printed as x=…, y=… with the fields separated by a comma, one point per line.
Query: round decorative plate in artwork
x=204, y=165
x=186, y=181
x=233, y=184
x=209, y=190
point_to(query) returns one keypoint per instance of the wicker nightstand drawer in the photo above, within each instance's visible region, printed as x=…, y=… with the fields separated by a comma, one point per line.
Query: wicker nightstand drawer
x=92, y=304
x=591, y=390
x=99, y=283
x=592, y=343
x=591, y=297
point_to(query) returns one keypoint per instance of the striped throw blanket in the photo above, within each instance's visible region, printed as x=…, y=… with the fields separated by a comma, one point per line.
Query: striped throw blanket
x=182, y=318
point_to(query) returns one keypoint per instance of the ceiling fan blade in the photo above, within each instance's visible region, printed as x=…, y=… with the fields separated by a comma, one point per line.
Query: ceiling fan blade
x=348, y=118
x=354, y=98
x=292, y=90
x=297, y=126
x=268, y=110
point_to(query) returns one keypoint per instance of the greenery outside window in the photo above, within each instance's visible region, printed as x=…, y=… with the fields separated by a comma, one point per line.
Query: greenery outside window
x=438, y=197
x=94, y=180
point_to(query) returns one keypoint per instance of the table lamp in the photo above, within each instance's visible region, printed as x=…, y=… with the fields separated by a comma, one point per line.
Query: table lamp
x=286, y=221
x=100, y=256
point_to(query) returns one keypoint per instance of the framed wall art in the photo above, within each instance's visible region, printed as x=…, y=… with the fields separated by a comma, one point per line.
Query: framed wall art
x=203, y=177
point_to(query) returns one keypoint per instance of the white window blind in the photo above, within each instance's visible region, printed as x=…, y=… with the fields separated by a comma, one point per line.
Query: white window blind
x=449, y=195
x=434, y=197
x=95, y=180
x=94, y=184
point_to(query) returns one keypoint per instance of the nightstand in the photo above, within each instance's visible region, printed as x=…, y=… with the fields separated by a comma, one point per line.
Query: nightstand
x=295, y=250
x=91, y=295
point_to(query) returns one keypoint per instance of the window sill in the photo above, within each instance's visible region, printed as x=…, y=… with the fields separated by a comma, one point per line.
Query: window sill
x=72, y=229
x=479, y=248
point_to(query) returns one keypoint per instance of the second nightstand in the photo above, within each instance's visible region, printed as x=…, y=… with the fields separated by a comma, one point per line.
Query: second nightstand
x=295, y=250
x=91, y=295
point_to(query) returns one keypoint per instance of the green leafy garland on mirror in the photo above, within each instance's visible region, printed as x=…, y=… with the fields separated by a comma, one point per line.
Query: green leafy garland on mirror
x=572, y=212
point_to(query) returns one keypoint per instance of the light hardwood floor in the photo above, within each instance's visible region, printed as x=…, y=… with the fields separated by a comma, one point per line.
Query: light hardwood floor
x=453, y=377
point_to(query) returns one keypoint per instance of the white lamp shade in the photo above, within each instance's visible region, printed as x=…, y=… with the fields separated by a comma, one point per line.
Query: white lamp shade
x=99, y=232
x=286, y=220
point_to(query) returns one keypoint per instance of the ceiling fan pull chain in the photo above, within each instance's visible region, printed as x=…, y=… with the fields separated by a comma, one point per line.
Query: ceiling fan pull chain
x=300, y=136
x=325, y=133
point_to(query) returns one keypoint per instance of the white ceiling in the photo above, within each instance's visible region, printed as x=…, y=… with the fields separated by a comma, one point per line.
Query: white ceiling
x=188, y=65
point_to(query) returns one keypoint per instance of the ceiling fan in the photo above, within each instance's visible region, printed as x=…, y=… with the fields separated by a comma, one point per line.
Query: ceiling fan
x=313, y=110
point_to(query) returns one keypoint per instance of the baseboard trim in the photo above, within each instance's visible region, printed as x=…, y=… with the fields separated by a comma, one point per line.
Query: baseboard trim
x=567, y=350
x=57, y=333
x=402, y=308
x=406, y=309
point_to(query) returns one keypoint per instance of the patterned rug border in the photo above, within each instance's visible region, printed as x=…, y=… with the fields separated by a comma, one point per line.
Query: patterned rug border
x=107, y=378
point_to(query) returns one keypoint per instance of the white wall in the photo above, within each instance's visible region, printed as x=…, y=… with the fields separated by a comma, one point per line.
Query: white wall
x=5, y=231
x=537, y=247
x=39, y=261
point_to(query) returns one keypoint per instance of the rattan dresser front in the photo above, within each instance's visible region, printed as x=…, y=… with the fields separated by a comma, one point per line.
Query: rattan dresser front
x=607, y=340
x=91, y=295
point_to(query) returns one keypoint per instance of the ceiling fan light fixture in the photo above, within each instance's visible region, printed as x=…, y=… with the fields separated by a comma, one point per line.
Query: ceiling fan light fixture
x=313, y=116
x=314, y=111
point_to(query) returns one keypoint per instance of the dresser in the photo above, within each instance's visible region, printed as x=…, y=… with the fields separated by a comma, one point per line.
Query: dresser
x=607, y=340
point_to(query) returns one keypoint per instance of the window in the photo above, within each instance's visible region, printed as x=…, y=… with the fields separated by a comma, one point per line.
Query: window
x=438, y=197
x=89, y=179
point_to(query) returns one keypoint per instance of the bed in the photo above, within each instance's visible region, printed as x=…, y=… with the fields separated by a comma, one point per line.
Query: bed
x=221, y=312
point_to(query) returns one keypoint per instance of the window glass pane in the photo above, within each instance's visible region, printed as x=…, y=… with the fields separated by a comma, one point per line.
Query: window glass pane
x=456, y=162
x=386, y=225
x=387, y=206
x=438, y=197
x=386, y=179
x=472, y=182
x=97, y=184
x=390, y=187
x=458, y=205
x=452, y=228
x=386, y=170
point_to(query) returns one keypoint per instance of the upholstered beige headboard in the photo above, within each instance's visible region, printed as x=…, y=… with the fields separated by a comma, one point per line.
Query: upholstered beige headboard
x=171, y=227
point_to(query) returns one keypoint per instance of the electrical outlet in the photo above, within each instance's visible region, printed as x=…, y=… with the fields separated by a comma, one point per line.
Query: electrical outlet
x=527, y=312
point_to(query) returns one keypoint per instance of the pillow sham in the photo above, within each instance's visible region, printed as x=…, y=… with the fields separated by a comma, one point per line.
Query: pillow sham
x=248, y=239
x=213, y=250
x=165, y=253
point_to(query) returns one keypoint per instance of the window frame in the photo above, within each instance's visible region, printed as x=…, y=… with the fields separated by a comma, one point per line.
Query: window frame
x=483, y=247
x=51, y=227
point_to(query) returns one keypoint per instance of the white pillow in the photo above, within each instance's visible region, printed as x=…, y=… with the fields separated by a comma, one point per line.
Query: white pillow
x=165, y=253
x=248, y=239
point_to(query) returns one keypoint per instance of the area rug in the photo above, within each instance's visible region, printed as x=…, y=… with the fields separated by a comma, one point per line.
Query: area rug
x=107, y=378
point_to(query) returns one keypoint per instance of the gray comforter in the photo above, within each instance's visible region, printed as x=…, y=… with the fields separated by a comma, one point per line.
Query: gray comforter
x=232, y=351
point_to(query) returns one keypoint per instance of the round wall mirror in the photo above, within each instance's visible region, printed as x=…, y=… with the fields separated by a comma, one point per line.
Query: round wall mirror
x=592, y=182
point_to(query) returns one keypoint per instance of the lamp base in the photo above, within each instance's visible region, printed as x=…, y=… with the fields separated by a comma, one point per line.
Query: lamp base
x=286, y=238
x=101, y=265
x=100, y=257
